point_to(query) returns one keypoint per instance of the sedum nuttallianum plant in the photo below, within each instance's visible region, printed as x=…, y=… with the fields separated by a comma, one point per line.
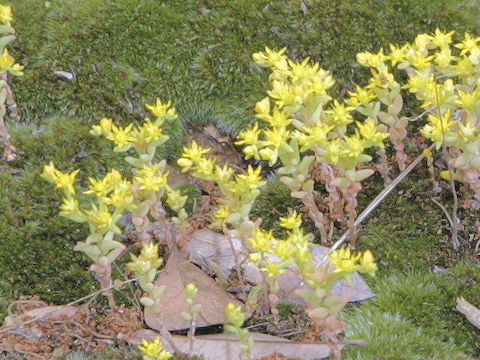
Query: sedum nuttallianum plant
x=113, y=195
x=313, y=138
x=445, y=78
x=294, y=254
x=7, y=66
x=295, y=127
x=108, y=199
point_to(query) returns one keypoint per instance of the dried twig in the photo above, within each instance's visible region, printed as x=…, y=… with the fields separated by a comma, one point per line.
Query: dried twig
x=471, y=312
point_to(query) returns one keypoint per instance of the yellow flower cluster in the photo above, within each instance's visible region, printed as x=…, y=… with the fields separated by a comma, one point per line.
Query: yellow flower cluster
x=145, y=138
x=153, y=350
x=7, y=63
x=346, y=262
x=62, y=180
x=445, y=83
x=152, y=178
x=5, y=14
x=234, y=315
x=292, y=250
x=111, y=190
x=299, y=112
x=239, y=190
x=145, y=265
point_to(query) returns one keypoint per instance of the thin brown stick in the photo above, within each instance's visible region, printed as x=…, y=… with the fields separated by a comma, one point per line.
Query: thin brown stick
x=471, y=312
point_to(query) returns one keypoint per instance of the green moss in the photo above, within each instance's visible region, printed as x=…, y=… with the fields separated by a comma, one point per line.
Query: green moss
x=417, y=310
x=125, y=50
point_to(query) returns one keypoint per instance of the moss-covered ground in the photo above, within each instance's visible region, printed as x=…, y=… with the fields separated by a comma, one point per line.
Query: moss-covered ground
x=125, y=53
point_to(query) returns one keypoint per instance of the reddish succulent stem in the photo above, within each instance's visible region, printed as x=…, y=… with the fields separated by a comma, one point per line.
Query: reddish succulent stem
x=316, y=215
x=350, y=197
x=382, y=166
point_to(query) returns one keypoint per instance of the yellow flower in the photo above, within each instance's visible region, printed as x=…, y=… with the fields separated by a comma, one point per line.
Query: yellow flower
x=70, y=206
x=249, y=136
x=121, y=136
x=438, y=128
x=190, y=291
x=222, y=213
x=205, y=167
x=370, y=133
x=381, y=79
x=279, y=119
x=444, y=57
x=62, y=180
x=194, y=152
x=467, y=133
x=262, y=240
x=251, y=180
x=99, y=187
x=360, y=96
x=101, y=218
x=234, y=315
x=255, y=258
x=418, y=83
x=175, y=199
x=7, y=63
x=397, y=54
x=151, y=178
x=162, y=110
x=367, y=263
x=419, y=60
x=104, y=128
x=149, y=132
x=293, y=221
x=49, y=172
x=446, y=174
x=153, y=350
x=273, y=269
x=223, y=174
x=285, y=94
x=468, y=44
x=5, y=14
x=341, y=114
x=283, y=249
x=469, y=100
x=149, y=252
x=262, y=107
x=344, y=260
x=371, y=60
x=270, y=57
x=139, y=265
x=276, y=137
x=122, y=196
x=422, y=41
x=441, y=39
x=316, y=135
x=354, y=146
x=427, y=153
x=332, y=150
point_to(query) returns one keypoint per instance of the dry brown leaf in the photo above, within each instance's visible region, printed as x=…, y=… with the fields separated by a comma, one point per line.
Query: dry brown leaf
x=213, y=132
x=179, y=272
x=226, y=347
x=43, y=313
